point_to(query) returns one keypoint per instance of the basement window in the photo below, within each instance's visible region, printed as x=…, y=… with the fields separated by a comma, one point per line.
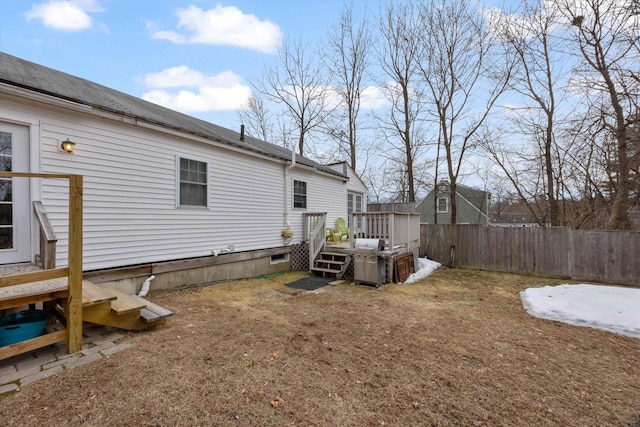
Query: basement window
x=279, y=258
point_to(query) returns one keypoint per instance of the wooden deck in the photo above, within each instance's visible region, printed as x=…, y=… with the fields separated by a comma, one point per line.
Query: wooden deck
x=103, y=306
x=63, y=290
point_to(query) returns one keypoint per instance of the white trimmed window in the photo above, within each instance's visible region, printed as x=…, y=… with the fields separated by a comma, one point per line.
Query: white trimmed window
x=354, y=204
x=193, y=183
x=443, y=204
x=299, y=194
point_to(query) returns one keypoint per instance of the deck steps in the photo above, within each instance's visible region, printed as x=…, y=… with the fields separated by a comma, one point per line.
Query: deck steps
x=125, y=304
x=93, y=295
x=331, y=264
x=104, y=306
x=328, y=254
x=129, y=312
x=152, y=312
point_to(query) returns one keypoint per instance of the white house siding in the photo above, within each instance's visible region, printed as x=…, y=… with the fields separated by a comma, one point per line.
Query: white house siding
x=355, y=184
x=130, y=213
x=324, y=194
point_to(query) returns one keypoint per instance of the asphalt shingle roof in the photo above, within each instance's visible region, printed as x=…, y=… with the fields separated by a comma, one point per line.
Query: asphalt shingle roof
x=18, y=72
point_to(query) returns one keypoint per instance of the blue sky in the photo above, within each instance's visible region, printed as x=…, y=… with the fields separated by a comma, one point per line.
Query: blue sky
x=195, y=56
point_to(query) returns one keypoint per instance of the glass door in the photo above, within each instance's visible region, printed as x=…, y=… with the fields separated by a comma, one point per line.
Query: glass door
x=15, y=233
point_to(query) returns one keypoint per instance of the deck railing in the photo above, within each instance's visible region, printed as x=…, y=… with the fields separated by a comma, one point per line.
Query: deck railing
x=73, y=272
x=399, y=230
x=48, y=239
x=313, y=230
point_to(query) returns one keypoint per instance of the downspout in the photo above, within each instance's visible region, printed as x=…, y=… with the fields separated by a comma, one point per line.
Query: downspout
x=287, y=232
x=145, y=286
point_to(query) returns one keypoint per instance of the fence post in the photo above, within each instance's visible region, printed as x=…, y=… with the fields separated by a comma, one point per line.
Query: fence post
x=571, y=253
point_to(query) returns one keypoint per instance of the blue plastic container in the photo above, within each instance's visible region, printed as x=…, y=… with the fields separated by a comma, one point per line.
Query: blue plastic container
x=22, y=326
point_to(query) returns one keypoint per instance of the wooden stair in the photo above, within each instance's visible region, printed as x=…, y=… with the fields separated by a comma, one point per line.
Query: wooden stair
x=111, y=307
x=331, y=264
x=104, y=306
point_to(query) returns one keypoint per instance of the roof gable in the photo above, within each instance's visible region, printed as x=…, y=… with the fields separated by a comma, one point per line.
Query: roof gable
x=347, y=170
x=475, y=197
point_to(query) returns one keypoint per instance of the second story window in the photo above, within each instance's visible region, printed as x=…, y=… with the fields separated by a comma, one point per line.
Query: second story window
x=443, y=204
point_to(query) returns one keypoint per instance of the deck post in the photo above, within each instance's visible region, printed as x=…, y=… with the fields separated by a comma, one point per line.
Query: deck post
x=74, y=301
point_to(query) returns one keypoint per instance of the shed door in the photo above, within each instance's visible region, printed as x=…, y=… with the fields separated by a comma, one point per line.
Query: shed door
x=15, y=215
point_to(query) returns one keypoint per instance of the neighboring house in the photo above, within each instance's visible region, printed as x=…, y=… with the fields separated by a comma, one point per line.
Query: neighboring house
x=159, y=186
x=356, y=189
x=472, y=205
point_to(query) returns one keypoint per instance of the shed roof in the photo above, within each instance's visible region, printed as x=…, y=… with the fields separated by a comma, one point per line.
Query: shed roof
x=28, y=75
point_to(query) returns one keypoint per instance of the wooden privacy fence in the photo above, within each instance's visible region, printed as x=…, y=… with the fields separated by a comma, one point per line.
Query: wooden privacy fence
x=602, y=256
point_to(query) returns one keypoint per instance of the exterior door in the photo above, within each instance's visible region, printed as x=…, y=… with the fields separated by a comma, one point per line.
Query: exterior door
x=354, y=204
x=15, y=215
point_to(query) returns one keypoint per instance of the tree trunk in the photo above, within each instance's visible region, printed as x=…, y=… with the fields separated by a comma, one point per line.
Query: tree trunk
x=301, y=144
x=408, y=145
x=551, y=197
x=454, y=206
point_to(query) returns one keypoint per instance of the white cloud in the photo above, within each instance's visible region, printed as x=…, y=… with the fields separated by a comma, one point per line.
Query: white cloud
x=222, y=92
x=373, y=97
x=169, y=35
x=65, y=15
x=223, y=26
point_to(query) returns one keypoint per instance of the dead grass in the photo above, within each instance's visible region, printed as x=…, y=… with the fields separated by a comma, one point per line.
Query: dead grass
x=455, y=349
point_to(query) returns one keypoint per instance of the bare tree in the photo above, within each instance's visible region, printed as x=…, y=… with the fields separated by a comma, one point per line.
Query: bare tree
x=257, y=119
x=348, y=50
x=536, y=75
x=400, y=32
x=605, y=33
x=300, y=84
x=459, y=70
x=590, y=149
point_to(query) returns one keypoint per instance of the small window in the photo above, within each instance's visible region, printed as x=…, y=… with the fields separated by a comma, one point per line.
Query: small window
x=443, y=204
x=193, y=183
x=300, y=194
x=279, y=258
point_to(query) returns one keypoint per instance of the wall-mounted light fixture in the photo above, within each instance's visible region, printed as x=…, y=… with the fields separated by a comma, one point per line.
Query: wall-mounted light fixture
x=68, y=145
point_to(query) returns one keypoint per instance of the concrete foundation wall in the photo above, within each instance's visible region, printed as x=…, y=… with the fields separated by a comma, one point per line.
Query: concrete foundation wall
x=218, y=273
x=192, y=272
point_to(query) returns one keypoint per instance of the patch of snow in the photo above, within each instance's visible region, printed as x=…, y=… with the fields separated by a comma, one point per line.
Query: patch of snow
x=425, y=268
x=610, y=308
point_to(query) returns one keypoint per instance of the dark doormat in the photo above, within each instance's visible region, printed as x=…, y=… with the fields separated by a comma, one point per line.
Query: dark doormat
x=310, y=283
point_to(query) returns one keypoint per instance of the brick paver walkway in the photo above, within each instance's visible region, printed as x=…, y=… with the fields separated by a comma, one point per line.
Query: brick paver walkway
x=98, y=342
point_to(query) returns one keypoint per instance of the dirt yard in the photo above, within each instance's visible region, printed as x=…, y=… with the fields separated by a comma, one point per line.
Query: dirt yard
x=455, y=349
